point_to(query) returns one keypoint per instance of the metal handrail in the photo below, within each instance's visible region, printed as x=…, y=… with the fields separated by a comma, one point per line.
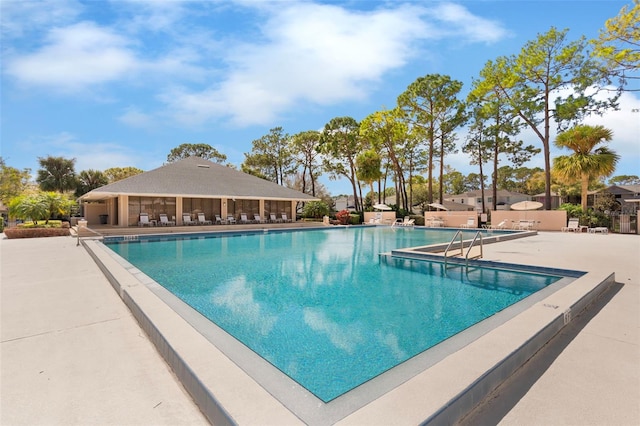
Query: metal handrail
x=458, y=232
x=466, y=258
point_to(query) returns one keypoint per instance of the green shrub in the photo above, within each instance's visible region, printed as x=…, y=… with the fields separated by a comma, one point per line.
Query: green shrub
x=419, y=220
x=315, y=209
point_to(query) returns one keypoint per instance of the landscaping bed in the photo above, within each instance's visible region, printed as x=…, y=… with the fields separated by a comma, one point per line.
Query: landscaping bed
x=36, y=232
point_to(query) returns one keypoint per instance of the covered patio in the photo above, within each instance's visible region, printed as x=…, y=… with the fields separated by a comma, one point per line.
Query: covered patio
x=189, y=187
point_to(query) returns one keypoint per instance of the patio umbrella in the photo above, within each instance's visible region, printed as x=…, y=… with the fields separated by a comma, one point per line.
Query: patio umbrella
x=526, y=205
x=381, y=207
x=437, y=206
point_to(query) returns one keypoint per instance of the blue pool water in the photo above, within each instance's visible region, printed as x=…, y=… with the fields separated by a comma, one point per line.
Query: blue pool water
x=321, y=305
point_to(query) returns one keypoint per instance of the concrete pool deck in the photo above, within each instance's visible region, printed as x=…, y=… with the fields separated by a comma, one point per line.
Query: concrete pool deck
x=73, y=354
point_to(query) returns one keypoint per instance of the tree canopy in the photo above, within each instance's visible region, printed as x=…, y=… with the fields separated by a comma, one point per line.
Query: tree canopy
x=201, y=150
x=12, y=181
x=587, y=161
x=618, y=44
x=115, y=174
x=56, y=174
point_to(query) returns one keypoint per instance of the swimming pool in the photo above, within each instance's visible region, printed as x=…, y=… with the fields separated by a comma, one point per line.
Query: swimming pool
x=321, y=305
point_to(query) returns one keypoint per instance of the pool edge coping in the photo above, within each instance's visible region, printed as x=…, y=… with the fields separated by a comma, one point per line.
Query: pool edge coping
x=435, y=399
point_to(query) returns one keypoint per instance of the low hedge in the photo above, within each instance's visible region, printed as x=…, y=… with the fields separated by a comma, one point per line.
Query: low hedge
x=36, y=232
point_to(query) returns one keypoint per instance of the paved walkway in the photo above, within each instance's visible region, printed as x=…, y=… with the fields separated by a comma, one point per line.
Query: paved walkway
x=72, y=354
x=590, y=374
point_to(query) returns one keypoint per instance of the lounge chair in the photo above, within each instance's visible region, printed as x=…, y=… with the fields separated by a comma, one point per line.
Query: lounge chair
x=407, y=221
x=164, y=220
x=144, y=220
x=273, y=218
x=525, y=225
x=501, y=225
x=434, y=222
x=231, y=219
x=257, y=218
x=284, y=217
x=601, y=229
x=202, y=220
x=186, y=219
x=219, y=220
x=572, y=226
x=471, y=223
x=244, y=219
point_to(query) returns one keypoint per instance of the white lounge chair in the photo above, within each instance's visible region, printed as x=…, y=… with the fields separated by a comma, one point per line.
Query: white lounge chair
x=273, y=218
x=407, y=221
x=244, y=219
x=471, y=223
x=284, y=217
x=501, y=225
x=219, y=220
x=525, y=225
x=434, y=222
x=186, y=219
x=257, y=218
x=144, y=220
x=572, y=226
x=231, y=219
x=164, y=220
x=202, y=220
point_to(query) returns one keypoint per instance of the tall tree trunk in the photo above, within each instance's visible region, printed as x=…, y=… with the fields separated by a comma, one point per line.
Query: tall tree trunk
x=496, y=152
x=547, y=155
x=441, y=173
x=430, y=172
x=584, y=184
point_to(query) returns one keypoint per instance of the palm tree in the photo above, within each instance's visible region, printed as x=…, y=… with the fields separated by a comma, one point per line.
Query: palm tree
x=586, y=162
x=56, y=174
x=368, y=166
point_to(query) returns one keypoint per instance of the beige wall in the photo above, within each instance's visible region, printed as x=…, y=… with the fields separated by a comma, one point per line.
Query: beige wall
x=93, y=211
x=387, y=216
x=452, y=219
x=547, y=220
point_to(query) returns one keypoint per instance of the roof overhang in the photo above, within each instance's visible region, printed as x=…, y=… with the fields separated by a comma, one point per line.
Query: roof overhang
x=101, y=196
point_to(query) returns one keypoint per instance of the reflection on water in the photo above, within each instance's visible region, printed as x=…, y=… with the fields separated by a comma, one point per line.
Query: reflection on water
x=320, y=305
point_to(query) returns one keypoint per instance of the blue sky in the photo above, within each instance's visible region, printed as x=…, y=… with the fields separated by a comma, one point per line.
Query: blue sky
x=121, y=83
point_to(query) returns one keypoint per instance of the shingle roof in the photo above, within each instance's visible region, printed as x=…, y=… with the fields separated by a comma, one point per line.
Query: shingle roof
x=196, y=177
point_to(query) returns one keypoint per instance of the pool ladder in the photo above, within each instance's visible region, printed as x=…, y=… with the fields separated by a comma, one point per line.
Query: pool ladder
x=476, y=238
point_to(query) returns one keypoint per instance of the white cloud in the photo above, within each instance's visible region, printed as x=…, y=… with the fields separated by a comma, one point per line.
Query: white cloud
x=74, y=57
x=303, y=54
x=312, y=53
x=625, y=124
x=463, y=22
x=18, y=17
x=320, y=54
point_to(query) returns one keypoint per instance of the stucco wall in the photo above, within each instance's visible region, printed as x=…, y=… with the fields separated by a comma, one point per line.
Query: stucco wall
x=546, y=220
x=93, y=211
x=388, y=217
x=452, y=219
